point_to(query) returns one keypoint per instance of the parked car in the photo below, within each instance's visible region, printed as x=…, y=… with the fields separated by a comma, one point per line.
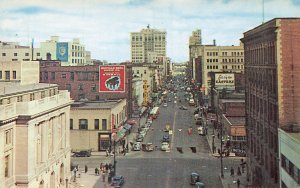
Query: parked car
x=147, y=147
x=137, y=146
x=83, y=153
x=165, y=105
x=165, y=146
x=191, y=102
x=201, y=131
x=140, y=138
x=117, y=181
x=195, y=177
x=167, y=128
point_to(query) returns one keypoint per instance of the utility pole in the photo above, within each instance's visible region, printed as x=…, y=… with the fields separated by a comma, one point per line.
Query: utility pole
x=115, y=162
x=221, y=129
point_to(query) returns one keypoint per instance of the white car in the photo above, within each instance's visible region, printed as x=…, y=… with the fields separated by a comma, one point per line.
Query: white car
x=165, y=146
x=165, y=104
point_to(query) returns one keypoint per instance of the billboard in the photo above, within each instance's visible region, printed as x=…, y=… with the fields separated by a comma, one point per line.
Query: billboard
x=224, y=79
x=62, y=51
x=112, y=78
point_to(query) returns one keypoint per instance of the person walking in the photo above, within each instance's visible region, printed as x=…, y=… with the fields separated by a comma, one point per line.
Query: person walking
x=238, y=182
x=239, y=171
x=85, y=168
x=231, y=172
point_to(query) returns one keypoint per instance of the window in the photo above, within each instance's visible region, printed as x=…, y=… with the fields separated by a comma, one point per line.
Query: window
x=97, y=98
x=3, y=54
x=8, y=137
x=43, y=94
x=83, y=124
x=71, y=124
x=15, y=54
x=53, y=75
x=19, y=98
x=26, y=54
x=38, y=54
x=31, y=96
x=0, y=74
x=104, y=124
x=80, y=87
x=93, y=88
x=145, y=72
x=63, y=75
x=14, y=74
x=72, y=76
x=6, y=168
x=7, y=75
x=68, y=87
x=46, y=76
x=96, y=124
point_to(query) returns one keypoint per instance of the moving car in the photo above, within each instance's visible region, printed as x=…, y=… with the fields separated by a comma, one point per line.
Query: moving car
x=191, y=102
x=137, y=146
x=165, y=104
x=167, y=128
x=201, y=131
x=117, y=181
x=140, y=138
x=182, y=108
x=166, y=138
x=165, y=146
x=195, y=177
x=148, y=147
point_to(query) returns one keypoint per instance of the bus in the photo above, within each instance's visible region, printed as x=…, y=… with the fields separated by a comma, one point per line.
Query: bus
x=154, y=112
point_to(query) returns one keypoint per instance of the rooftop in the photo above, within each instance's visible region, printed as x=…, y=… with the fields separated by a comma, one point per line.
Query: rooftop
x=11, y=88
x=95, y=104
x=236, y=120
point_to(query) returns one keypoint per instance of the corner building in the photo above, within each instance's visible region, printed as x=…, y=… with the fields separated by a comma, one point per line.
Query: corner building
x=272, y=74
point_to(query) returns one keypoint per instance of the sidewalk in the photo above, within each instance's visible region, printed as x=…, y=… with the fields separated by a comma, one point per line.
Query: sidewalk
x=228, y=181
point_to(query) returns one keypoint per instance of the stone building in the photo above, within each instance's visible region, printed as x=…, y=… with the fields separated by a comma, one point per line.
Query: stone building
x=272, y=93
x=34, y=119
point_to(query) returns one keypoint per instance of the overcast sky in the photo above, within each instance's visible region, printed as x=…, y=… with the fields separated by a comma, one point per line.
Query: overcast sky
x=104, y=26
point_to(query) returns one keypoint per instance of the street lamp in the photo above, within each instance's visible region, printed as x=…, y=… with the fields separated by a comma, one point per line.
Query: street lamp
x=115, y=162
x=67, y=182
x=222, y=172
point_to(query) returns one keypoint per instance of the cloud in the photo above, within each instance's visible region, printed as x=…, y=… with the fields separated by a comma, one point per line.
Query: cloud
x=104, y=26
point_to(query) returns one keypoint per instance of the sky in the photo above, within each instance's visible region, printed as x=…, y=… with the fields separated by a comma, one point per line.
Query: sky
x=104, y=26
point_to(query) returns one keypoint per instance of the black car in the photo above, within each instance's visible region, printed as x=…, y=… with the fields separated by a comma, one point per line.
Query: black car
x=82, y=154
x=166, y=138
x=183, y=108
x=117, y=181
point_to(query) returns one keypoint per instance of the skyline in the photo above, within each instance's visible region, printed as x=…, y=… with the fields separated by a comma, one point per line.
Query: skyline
x=104, y=26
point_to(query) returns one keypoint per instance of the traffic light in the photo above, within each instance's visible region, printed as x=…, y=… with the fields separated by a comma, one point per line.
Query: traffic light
x=193, y=149
x=179, y=149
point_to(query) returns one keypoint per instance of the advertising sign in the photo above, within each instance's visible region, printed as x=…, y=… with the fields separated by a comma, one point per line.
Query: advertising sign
x=224, y=79
x=62, y=51
x=112, y=78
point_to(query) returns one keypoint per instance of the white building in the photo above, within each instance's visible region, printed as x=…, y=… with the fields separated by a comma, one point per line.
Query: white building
x=148, y=45
x=34, y=119
x=289, y=155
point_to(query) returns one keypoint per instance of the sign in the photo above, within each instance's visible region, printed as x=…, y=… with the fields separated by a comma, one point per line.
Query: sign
x=112, y=78
x=224, y=79
x=145, y=94
x=62, y=51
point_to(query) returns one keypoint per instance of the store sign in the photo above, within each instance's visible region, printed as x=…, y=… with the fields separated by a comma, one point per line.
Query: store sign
x=62, y=51
x=224, y=79
x=112, y=78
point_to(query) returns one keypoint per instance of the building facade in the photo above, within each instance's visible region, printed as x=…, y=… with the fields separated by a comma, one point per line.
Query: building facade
x=195, y=38
x=289, y=155
x=34, y=119
x=271, y=73
x=93, y=123
x=148, y=43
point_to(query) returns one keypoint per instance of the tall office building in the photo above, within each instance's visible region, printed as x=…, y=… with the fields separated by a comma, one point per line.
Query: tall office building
x=272, y=94
x=148, y=46
x=196, y=38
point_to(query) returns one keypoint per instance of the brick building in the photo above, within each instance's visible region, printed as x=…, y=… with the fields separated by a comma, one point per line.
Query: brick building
x=272, y=74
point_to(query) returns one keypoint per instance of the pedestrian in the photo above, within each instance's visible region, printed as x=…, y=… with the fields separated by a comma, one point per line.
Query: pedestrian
x=107, y=153
x=101, y=166
x=75, y=171
x=231, y=172
x=218, y=135
x=103, y=177
x=238, y=182
x=106, y=167
x=85, y=168
x=239, y=171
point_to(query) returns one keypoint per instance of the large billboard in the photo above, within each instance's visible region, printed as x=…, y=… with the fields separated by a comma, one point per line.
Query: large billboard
x=62, y=51
x=112, y=78
x=224, y=79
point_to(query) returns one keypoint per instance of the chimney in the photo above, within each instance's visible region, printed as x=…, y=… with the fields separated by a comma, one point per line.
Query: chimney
x=214, y=42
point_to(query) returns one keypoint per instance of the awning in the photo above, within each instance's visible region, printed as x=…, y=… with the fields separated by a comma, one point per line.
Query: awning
x=143, y=109
x=121, y=133
x=127, y=126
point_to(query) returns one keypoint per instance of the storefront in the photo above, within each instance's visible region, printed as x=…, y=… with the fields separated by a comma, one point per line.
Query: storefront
x=103, y=141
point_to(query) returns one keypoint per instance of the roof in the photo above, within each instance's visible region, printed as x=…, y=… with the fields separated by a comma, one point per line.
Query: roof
x=95, y=104
x=236, y=120
x=12, y=88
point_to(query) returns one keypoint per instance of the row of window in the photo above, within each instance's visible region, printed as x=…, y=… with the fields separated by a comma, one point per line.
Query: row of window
x=290, y=168
x=15, y=54
x=138, y=71
x=225, y=60
x=82, y=76
x=7, y=75
x=159, y=38
x=78, y=61
x=77, y=54
x=83, y=124
x=74, y=47
x=32, y=96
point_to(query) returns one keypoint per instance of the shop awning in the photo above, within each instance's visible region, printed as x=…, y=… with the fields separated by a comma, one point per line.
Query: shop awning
x=121, y=133
x=127, y=126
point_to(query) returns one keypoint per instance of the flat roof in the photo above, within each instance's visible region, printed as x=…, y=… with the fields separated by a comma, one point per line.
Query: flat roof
x=11, y=88
x=236, y=120
x=95, y=104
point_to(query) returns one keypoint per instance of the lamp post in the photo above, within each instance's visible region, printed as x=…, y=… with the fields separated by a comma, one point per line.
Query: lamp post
x=222, y=172
x=115, y=162
x=67, y=182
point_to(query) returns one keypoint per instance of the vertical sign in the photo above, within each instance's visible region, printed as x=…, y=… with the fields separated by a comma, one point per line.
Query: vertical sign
x=113, y=130
x=112, y=78
x=145, y=93
x=62, y=51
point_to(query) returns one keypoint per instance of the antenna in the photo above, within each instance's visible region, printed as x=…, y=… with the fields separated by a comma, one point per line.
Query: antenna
x=263, y=11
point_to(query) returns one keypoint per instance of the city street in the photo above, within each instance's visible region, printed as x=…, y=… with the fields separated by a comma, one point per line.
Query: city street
x=163, y=169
